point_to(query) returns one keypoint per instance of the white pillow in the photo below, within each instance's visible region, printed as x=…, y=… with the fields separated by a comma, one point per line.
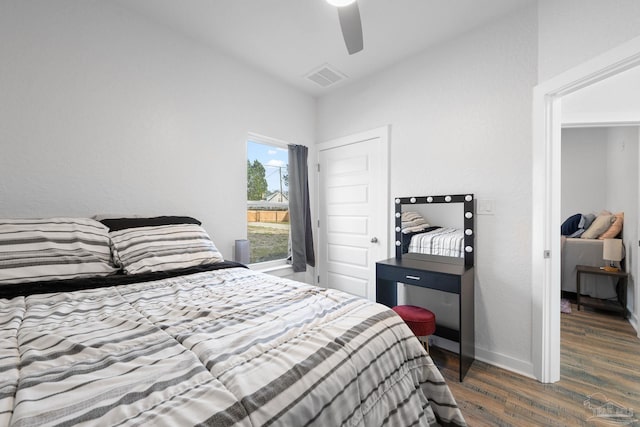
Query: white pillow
x=598, y=226
x=413, y=222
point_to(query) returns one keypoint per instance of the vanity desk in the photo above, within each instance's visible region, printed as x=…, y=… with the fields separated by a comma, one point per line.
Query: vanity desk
x=453, y=275
x=440, y=273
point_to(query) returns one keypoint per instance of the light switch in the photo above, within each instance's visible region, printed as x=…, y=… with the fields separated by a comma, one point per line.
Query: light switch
x=485, y=207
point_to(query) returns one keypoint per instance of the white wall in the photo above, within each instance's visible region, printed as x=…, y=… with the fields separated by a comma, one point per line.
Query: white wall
x=584, y=171
x=612, y=100
x=622, y=196
x=573, y=31
x=441, y=214
x=103, y=111
x=460, y=117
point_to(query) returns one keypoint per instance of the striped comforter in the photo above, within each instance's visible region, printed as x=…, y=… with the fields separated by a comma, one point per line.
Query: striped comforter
x=225, y=347
x=441, y=241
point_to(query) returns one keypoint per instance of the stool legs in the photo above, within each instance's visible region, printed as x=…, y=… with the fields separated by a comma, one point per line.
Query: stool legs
x=425, y=342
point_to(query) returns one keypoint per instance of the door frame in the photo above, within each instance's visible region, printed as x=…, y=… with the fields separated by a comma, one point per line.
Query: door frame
x=547, y=122
x=382, y=133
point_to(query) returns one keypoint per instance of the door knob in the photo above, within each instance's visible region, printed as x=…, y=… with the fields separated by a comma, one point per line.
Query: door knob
x=374, y=240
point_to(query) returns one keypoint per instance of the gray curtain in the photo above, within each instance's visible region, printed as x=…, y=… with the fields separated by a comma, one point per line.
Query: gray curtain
x=301, y=249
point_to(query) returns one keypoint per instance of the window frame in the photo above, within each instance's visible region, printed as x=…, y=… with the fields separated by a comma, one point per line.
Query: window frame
x=280, y=263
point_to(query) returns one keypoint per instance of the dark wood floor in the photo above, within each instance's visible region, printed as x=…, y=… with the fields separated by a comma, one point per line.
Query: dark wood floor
x=600, y=358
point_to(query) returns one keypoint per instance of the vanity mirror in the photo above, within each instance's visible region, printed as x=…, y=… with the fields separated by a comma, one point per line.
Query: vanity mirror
x=442, y=261
x=447, y=230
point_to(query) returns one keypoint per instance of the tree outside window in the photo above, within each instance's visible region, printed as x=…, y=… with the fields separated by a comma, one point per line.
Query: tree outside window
x=267, y=201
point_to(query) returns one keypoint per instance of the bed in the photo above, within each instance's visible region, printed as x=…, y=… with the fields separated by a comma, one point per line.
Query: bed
x=443, y=241
x=418, y=236
x=168, y=333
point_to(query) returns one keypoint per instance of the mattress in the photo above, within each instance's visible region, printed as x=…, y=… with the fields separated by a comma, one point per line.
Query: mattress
x=443, y=241
x=224, y=347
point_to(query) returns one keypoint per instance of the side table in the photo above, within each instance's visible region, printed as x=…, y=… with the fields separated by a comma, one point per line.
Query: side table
x=619, y=306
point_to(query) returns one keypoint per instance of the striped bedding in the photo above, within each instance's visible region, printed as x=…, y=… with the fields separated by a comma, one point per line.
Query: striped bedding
x=442, y=241
x=33, y=250
x=164, y=247
x=219, y=348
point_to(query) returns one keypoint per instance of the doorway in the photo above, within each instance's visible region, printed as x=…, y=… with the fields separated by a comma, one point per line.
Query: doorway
x=599, y=175
x=547, y=119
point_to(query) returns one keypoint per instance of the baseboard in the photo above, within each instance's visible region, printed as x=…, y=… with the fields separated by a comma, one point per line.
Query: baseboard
x=633, y=320
x=446, y=344
x=520, y=367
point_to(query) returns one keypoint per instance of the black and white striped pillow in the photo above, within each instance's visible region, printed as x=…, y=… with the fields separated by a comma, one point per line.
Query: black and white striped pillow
x=165, y=247
x=33, y=250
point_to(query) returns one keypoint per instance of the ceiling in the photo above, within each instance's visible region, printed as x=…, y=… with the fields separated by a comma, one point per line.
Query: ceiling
x=291, y=38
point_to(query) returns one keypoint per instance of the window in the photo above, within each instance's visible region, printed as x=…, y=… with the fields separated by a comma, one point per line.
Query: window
x=267, y=200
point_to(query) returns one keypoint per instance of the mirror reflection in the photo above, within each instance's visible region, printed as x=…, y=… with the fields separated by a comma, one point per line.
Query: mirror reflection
x=435, y=226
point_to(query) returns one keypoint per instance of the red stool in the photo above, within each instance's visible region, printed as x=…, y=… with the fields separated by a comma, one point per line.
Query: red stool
x=421, y=321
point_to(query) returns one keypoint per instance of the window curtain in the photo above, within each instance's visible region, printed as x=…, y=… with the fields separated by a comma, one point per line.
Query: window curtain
x=301, y=247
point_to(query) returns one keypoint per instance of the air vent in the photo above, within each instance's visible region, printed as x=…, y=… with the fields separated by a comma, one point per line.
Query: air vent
x=325, y=76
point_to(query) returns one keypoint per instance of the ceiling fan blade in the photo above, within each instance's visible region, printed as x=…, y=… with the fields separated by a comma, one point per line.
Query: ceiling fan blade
x=351, y=27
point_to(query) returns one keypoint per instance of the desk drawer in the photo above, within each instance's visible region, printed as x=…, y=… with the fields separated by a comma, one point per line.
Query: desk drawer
x=427, y=279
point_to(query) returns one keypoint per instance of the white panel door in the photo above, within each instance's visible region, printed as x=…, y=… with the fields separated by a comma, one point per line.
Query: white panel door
x=353, y=211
